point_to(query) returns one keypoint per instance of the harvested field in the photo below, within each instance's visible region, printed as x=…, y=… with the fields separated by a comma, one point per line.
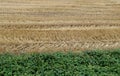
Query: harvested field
x=50, y=25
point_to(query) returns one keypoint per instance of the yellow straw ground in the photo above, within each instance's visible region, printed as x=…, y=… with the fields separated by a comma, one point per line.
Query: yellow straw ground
x=64, y=25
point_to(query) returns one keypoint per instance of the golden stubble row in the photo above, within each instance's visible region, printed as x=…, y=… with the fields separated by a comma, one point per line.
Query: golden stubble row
x=54, y=10
x=84, y=35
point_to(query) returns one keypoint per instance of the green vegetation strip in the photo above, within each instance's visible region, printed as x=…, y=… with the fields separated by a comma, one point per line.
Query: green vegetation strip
x=89, y=63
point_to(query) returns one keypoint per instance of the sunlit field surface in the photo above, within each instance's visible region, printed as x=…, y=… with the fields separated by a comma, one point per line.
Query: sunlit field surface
x=89, y=63
x=56, y=37
x=63, y=25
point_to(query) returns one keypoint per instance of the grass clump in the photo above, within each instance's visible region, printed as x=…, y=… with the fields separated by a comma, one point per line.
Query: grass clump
x=89, y=63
